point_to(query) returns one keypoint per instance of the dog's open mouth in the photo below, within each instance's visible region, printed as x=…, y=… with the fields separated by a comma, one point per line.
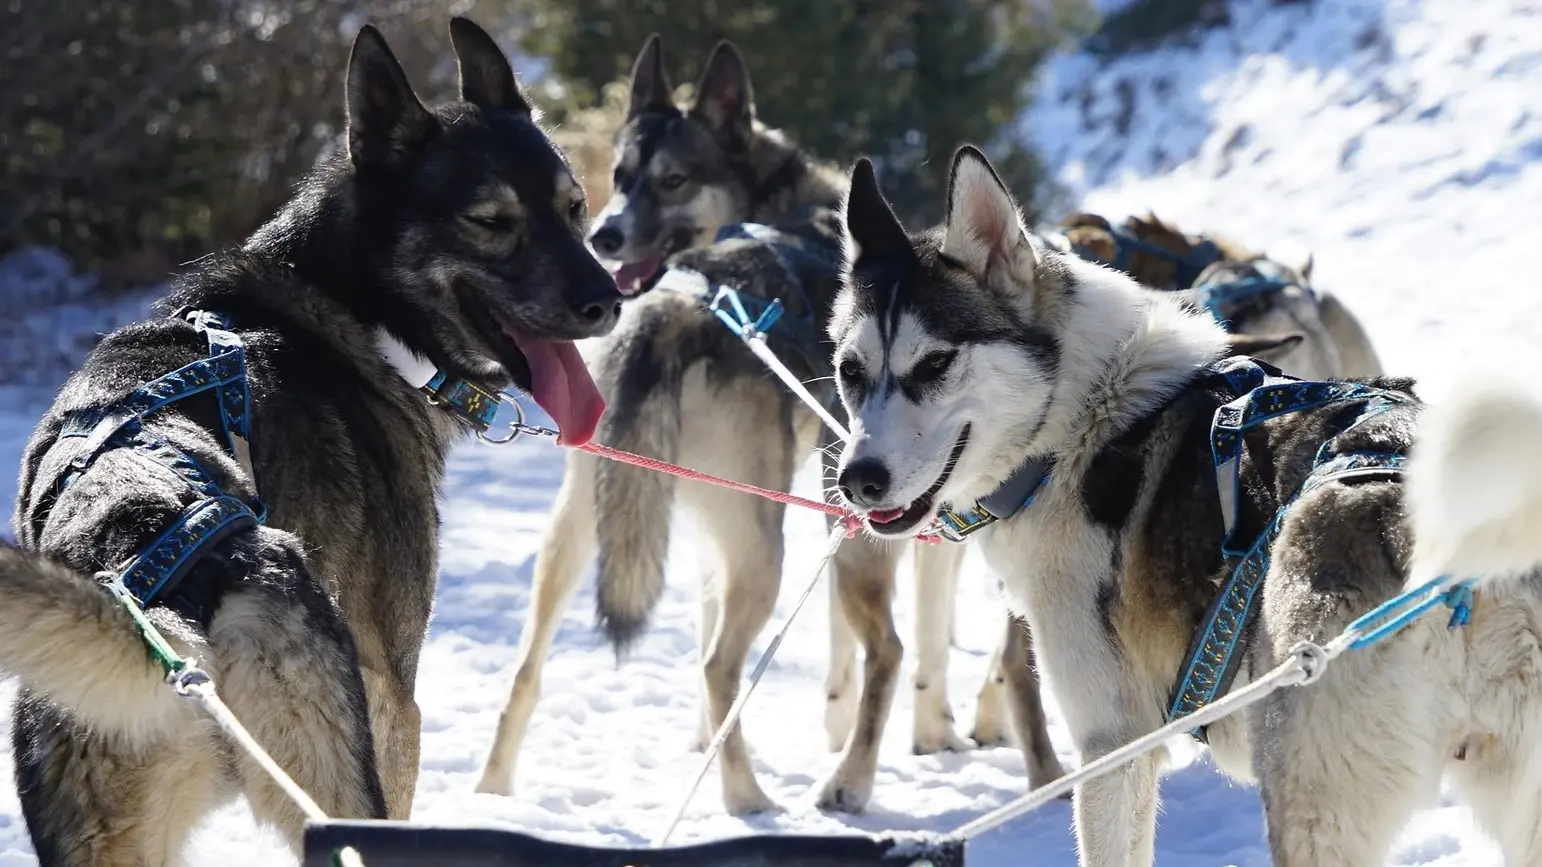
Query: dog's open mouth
x=634, y=278
x=901, y=521
x=550, y=371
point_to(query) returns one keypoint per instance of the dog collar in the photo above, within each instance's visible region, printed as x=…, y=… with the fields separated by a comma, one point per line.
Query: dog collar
x=1011, y=497
x=471, y=402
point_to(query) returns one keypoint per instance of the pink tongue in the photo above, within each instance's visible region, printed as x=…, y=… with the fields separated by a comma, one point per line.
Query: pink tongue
x=885, y=516
x=561, y=384
x=630, y=277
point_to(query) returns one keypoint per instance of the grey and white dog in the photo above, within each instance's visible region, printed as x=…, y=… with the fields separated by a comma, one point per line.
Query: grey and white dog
x=966, y=352
x=681, y=387
x=448, y=239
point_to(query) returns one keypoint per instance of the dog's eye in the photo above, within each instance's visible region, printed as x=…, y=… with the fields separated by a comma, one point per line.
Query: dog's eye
x=576, y=211
x=491, y=222
x=850, y=369
x=673, y=181
x=933, y=366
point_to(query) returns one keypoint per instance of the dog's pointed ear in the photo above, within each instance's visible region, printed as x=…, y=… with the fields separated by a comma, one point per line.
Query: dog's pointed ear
x=651, y=89
x=983, y=228
x=1257, y=344
x=725, y=102
x=486, y=78
x=1305, y=268
x=387, y=123
x=873, y=230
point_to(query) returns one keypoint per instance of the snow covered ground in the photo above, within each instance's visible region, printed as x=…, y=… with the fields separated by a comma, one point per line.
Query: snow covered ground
x=1399, y=141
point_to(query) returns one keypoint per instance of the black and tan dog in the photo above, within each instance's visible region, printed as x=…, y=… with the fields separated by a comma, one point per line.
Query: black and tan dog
x=446, y=241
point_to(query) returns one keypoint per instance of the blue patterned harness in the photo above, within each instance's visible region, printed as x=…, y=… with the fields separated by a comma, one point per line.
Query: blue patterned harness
x=162, y=564
x=1264, y=393
x=1218, y=298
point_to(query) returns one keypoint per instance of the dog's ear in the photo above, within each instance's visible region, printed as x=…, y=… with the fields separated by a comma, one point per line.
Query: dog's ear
x=1257, y=344
x=486, y=78
x=651, y=89
x=387, y=124
x=1305, y=268
x=984, y=230
x=725, y=103
x=873, y=230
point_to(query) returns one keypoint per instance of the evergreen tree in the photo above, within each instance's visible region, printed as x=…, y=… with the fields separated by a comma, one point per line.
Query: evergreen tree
x=905, y=82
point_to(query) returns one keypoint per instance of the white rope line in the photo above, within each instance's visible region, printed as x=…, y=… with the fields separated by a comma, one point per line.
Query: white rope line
x=837, y=535
x=1306, y=664
x=192, y=682
x=756, y=341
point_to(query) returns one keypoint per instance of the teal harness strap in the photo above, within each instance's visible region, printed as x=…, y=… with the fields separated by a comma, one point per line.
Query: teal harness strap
x=161, y=565
x=1215, y=654
x=1223, y=300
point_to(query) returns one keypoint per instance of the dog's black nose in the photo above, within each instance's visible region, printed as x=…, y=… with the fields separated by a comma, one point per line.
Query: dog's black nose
x=598, y=303
x=864, y=482
x=606, y=240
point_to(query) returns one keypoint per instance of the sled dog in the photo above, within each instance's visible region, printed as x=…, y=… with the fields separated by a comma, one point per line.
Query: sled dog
x=1120, y=450
x=437, y=258
x=681, y=387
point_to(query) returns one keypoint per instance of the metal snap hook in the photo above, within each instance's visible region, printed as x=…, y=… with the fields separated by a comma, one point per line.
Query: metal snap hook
x=516, y=427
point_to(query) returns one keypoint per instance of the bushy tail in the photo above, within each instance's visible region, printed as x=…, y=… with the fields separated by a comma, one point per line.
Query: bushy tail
x=1474, y=485
x=633, y=505
x=64, y=636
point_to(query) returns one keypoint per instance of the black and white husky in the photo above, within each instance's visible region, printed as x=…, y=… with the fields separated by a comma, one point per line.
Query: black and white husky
x=969, y=353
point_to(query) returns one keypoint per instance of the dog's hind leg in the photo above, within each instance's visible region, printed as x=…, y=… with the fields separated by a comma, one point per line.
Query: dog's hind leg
x=1342, y=763
x=936, y=585
x=755, y=444
x=748, y=535
x=706, y=627
x=94, y=801
x=565, y=550
x=990, y=710
x=1495, y=756
x=290, y=673
x=1029, y=724
x=1500, y=775
x=840, y=679
x=864, y=573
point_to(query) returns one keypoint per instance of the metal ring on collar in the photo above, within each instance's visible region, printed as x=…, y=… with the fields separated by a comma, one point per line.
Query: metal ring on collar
x=516, y=427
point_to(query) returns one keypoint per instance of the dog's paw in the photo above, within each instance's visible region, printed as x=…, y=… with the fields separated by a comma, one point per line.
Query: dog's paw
x=990, y=716
x=842, y=796
x=945, y=742
x=990, y=737
x=495, y=783
x=751, y=803
x=840, y=719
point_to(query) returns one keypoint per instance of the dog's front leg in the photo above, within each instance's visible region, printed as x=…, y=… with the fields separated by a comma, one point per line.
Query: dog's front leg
x=1099, y=696
x=936, y=584
x=1105, y=706
x=1115, y=814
